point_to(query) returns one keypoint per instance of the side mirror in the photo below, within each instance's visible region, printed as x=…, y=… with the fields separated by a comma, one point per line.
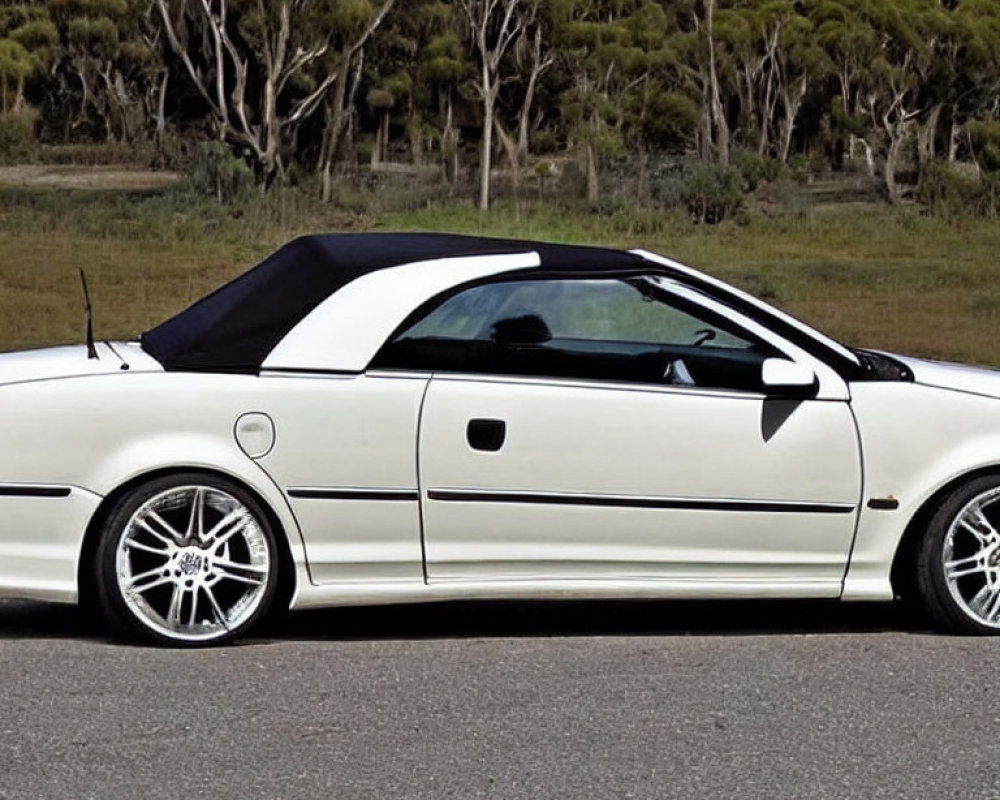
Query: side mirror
x=789, y=378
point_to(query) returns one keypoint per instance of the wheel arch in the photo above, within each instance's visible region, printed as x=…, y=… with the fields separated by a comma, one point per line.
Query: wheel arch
x=85, y=576
x=902, y=575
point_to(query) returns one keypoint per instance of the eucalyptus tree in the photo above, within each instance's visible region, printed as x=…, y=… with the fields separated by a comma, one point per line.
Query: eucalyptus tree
x=443, y=66
x=493, y=27
x=416, y=62
x=27, y=42
x=971, y=62
x=534, y=57
x=896, y=89
x=107, y=58
x=751, y=41
x=657, y=113
x=719, y=126
x=845, y=31
x=801, y=63
x=16, y=65
x=262, y=67
x=620, y=66
x=706, y=62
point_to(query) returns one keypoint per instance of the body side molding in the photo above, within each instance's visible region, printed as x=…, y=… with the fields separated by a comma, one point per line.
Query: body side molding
x=28, y=490
x=629, y=501
x=351, y=493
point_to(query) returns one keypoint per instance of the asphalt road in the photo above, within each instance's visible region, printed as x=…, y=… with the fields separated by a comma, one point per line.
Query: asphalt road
x=505, y=700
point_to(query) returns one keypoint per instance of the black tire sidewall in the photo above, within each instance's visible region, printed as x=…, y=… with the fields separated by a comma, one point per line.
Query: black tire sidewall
x=943, y=609
x=122, y=621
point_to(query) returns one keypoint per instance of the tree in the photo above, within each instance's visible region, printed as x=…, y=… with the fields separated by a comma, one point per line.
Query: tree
x=254, y=64
x=442, y=67
x=27, y=38
x=493, y=27
x=851, y=42
x=717, y=114
x=534, y=57
x=897, y=75
x=799, y=60
x=107, y=51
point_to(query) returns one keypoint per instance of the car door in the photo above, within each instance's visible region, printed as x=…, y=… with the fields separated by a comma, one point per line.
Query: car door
x=618, y=429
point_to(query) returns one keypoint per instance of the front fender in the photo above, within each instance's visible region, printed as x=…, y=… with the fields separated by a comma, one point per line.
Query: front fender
x=916, y=440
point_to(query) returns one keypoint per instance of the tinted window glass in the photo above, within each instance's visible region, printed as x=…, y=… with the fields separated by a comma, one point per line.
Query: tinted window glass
x=601, y=329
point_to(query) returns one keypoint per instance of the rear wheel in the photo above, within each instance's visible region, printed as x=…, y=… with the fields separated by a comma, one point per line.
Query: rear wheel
x=186, y=559
x=958, y=564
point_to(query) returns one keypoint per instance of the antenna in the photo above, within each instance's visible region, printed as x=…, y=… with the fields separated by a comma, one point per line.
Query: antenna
x=89, y=315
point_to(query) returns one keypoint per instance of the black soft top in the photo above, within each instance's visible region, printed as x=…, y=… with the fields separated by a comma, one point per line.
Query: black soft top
x=234, y=328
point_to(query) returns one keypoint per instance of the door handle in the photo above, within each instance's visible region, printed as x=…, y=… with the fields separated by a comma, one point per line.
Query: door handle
x=486, y=434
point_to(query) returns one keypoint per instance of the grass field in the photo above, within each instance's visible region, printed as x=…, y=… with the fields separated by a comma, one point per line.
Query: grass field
x=864, y=273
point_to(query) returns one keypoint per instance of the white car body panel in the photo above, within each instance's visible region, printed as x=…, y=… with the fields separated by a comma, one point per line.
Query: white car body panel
x=103, y=431
x=70, y=361
x=600, y=445
x=345, y=331
x=962, y=378
x=351, y=444
x=36, y=568
x=917, y=439
x=343, y=437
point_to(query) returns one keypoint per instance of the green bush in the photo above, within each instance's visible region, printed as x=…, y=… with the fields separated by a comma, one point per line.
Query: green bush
x=17, y=137
x=710, y=193
x=756, y=169
x=214, y=170
x=951, y=191
x=985, y=136
x=806, y=167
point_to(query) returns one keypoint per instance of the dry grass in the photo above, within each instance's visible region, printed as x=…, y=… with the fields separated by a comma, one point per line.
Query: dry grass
x=871, y=276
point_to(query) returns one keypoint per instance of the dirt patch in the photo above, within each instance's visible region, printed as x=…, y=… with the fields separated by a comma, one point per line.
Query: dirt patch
x=110, y=178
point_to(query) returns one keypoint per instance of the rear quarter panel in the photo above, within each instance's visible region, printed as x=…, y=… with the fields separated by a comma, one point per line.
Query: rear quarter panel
x=94, y=434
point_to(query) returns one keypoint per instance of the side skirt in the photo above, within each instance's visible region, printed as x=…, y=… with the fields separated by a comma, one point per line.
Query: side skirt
x=345, y=594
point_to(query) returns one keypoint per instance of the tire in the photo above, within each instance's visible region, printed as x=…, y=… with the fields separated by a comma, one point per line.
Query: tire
x=186, y=560
x=958, y=561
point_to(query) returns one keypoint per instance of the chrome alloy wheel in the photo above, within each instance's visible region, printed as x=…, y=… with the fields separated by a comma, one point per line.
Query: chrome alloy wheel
x=193, y=563
x=971, y=558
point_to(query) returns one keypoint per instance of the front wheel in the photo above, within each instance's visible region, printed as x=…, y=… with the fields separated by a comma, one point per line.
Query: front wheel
x=958, y=564
x=186, y=559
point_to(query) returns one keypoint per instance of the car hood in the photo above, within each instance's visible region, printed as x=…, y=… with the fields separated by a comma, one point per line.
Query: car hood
x=958, y=377
x=71, y=361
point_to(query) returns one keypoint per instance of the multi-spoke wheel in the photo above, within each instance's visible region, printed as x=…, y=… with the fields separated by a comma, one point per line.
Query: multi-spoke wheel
x=959, y=560
x=186, y=559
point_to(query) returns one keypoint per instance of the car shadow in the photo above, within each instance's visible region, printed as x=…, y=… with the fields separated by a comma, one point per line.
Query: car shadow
x=515, y=619
x=555, y=618
x=28, y=619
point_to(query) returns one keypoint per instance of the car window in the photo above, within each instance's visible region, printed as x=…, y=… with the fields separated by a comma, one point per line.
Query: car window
x=630, y=329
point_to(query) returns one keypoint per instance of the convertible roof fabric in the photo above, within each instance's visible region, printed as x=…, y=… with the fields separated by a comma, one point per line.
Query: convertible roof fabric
x=234, y=328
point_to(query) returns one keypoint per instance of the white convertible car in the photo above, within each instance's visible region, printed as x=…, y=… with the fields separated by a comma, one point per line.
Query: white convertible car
x=387, y=418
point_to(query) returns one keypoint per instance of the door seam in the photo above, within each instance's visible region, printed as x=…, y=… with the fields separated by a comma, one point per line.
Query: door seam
x=420, y=493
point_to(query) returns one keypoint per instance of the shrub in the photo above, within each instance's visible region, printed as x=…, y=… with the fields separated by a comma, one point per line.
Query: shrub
x=806, y=167
x=985, y=136
x=756, y=169
x=213, y=169
x=17, y=137
x=951, y=191
x=708, y=192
